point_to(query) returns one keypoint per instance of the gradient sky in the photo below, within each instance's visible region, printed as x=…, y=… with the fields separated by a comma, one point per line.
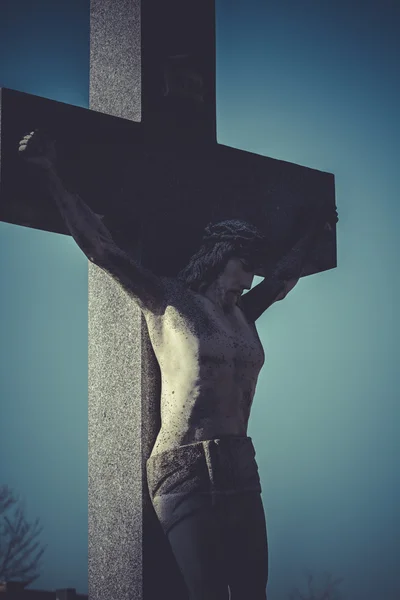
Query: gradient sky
x=311, y=82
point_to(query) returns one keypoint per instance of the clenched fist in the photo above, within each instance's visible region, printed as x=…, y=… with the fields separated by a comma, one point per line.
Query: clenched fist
x=38, y=149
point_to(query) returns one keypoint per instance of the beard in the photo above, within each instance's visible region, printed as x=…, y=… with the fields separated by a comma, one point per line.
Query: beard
x=230, y=301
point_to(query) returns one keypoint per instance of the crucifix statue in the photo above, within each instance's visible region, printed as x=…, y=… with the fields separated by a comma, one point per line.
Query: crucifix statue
x=174, y=354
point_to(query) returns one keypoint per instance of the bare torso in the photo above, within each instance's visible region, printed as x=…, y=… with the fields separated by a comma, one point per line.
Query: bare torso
x=209, y=363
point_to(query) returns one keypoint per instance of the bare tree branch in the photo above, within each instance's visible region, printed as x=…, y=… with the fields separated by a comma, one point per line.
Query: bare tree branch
x=20, y=550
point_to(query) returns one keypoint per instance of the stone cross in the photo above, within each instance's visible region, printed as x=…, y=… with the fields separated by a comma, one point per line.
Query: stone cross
x=158, y=182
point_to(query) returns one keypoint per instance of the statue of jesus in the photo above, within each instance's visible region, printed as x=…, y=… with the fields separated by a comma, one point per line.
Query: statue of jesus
x=202, y=474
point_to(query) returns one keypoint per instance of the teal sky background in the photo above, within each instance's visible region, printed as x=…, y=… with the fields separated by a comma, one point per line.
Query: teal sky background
x=310, y=82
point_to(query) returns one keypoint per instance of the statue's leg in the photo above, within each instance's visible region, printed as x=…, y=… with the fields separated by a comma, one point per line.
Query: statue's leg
x=198, y=548
x=181, y=492
x=246, y=543
x=207, y=498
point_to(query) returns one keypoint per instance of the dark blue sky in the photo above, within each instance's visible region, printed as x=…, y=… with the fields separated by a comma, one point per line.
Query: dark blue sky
x=315, y=83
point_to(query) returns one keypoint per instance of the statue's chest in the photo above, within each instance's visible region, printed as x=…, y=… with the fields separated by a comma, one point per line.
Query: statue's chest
x=195, y=328
x=233, y=340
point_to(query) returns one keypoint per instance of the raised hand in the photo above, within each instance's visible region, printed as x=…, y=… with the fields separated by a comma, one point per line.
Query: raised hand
x=321, y=217
x=38, y=149
x=330, y=218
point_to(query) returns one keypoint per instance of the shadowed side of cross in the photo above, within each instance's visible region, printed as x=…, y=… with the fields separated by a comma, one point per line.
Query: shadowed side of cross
x=158, y=183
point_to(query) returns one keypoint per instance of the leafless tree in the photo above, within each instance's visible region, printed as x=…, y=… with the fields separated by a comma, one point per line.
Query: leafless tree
x=328, y=591
x=20, y=550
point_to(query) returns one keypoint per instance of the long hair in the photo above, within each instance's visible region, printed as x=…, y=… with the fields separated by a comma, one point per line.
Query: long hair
x=222, y=241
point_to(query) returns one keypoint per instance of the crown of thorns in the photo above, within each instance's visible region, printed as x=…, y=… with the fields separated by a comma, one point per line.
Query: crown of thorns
x=241, y=233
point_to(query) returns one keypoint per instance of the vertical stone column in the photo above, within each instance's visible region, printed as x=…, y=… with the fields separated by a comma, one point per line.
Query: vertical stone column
x=116, y=444
x=116, y=485
x=129, y=558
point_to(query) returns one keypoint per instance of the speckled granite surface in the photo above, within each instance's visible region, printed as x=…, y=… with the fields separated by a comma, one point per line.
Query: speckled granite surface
x=115, y=73
x=115, y=566
x=115, y=433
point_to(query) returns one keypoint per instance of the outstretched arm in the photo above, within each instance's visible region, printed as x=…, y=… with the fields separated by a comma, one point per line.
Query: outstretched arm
x=96, y=242
x=263, y=295
x=288, y=269
x=90, y=233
